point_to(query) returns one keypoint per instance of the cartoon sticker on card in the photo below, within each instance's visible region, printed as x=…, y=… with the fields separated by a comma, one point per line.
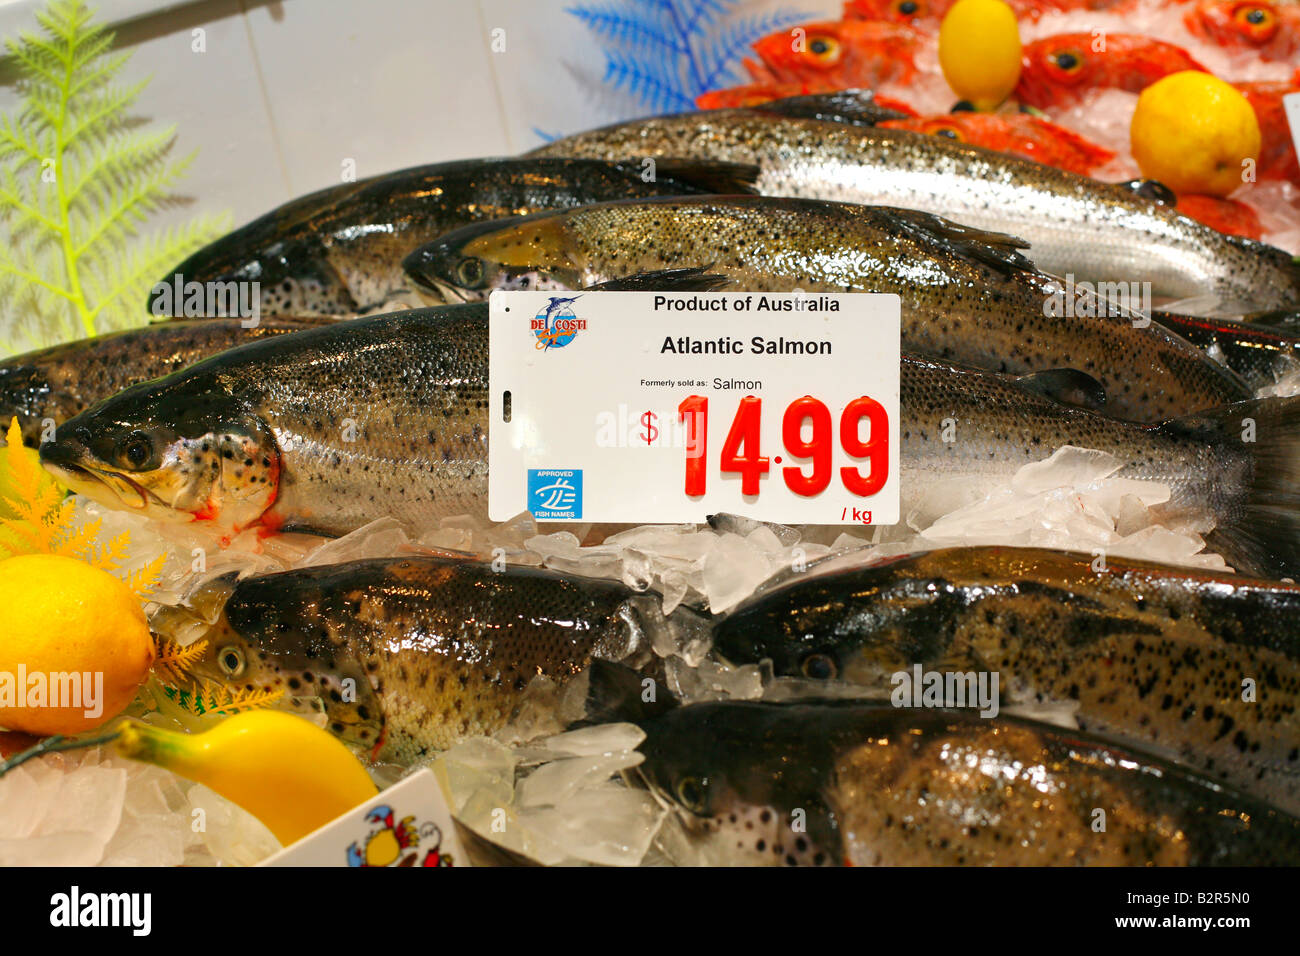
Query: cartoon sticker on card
x=400, y=843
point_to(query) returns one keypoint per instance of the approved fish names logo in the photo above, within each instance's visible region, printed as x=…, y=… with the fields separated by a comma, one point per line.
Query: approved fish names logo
x=956, y=689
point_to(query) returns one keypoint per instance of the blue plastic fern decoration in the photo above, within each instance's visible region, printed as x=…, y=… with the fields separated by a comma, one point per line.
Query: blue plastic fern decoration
x=665, y=53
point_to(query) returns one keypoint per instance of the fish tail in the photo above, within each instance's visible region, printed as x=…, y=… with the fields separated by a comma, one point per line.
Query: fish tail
x=1260, y=534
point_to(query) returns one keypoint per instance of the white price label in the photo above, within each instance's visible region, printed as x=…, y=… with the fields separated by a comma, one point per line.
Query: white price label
x=645, y=407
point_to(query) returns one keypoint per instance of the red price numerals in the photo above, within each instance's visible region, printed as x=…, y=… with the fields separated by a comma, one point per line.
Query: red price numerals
x=741, y=455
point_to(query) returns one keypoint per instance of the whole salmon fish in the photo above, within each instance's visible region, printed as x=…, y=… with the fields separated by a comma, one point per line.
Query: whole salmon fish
x=330, y=428
x=338, y=251
x=1074, y=225
x=843, y=782
x=967, y=296
x=1201, y=667
x=435, y=649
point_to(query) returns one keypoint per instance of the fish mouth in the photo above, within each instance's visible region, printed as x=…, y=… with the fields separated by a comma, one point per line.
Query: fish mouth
x=85, y=480
x=437, y=292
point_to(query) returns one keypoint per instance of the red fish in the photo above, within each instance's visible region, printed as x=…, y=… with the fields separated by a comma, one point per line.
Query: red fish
x=1057, y=70
x=756, y=94
x=1030, y=136
x=856, y=53
x=1225, y=215
x=913, y=11
x=1277, y=158
x=1271, y=29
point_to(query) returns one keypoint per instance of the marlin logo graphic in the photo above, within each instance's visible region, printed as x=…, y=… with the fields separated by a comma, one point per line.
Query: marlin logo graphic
x=555, y=309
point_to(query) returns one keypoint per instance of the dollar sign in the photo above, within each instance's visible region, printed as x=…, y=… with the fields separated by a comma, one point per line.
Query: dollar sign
x=651, y=432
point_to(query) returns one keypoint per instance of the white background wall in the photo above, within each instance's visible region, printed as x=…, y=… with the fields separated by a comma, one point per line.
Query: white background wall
x=288, y=90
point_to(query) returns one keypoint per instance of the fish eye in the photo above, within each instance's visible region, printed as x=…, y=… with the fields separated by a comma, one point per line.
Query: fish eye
x=819, y=667
x=824, y=48
x=136, y=449
x=1068, y=60
x=1258, y=20
x=692, y=791
x=947, y=131
x=908, y=7
x=470, y=272
x=231, y=661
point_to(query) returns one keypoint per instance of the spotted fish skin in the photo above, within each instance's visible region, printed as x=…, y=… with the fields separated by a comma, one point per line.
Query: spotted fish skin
x=330, y=428
x=54, y=384
x=830, y=782
x=326, y=429
x=1097, y=232
x=1201, y=667
x=966, y=295
x=338, y=251
x=437, y=649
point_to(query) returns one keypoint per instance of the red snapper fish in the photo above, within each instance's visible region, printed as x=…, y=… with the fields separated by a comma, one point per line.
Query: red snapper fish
x=915, y=11
x=1270, y=29
x=1019, y=133
x=756, y=94
x=1226, y=215
x=1277, y=157
x=1058, y=70
x=855, y=53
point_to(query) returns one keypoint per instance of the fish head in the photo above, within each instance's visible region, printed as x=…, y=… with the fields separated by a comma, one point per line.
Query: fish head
x=898, y=11
x=742, y=795
x=190, y=452
x=807, y=52
x=1235, y=23
x=466, y=265
x=1054, y=69
x=267, y=640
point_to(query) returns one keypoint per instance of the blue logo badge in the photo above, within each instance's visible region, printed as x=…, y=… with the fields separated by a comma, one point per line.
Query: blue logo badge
x=555, y=493
x=557, y=325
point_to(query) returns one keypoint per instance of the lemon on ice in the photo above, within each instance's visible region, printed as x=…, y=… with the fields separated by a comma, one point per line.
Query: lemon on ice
x=61, y=617
x=1194, y=132
x=979, y=51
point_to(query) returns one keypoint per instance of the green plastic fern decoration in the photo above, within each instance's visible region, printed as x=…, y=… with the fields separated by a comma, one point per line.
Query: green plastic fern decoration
x=77, y=181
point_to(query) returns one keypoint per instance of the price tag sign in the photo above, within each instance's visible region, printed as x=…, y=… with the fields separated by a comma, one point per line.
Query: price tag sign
x=646, y=407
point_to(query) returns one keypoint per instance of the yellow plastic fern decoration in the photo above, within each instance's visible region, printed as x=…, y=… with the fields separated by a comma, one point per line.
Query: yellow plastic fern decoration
x=43, y=521
x=173, y=662
x=77, y=180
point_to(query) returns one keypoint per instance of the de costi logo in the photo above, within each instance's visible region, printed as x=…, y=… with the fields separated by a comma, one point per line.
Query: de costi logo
x=556, y=325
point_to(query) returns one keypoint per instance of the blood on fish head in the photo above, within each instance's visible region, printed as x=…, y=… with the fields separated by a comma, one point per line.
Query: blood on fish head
x=467, y=264
x=171, y=454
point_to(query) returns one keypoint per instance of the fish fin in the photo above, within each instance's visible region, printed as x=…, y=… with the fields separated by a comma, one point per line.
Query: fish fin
x=979, y=246
x=617, y=693
x=1151, y=189
x=850, y=107
x=1068, y=386
x=665, y=280
x=1263, y=537
x=708, y=177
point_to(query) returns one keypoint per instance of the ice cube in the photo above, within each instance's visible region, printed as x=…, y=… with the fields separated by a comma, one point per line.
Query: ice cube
x=732, y=571
x=558, y=781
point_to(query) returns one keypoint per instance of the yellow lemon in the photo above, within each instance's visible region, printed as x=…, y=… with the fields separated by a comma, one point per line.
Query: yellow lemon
x=1193, y=132
x=979, y=50
x=60, y=617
